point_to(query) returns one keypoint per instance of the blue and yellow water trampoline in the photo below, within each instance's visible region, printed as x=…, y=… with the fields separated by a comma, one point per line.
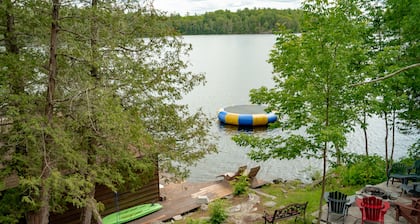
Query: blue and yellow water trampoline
x=246, y=115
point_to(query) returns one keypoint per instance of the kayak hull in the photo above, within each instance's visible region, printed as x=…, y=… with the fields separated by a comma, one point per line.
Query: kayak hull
x=132, y=213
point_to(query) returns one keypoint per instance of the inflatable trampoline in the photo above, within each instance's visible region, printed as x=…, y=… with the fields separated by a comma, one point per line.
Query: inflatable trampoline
x=246, y=115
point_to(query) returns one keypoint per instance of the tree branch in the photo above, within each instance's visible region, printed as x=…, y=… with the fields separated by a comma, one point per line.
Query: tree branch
x=388, y=76
x=74, y=96
x=78, y=35
x=73, y=58
x=6, y=124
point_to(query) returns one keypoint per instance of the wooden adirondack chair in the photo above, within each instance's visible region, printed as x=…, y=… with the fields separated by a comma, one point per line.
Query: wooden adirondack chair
x=338, y=203
x=373, y=209
x=253, y=180
x=232, y=176
x=411, y=212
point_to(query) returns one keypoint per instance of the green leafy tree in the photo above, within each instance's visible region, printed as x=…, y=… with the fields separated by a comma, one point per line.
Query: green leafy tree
x=391, y=93
x=21, y=110
x=401, y=21
x=311, y=95
x=93, y=102
x=342, y=43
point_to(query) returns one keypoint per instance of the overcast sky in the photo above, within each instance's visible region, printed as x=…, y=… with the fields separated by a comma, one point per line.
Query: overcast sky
x=201, y=6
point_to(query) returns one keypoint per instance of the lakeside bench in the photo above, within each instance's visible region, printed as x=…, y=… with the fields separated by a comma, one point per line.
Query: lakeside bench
x=291, y=210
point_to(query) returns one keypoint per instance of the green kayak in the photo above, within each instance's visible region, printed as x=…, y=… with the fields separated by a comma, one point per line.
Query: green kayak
x=131, y=213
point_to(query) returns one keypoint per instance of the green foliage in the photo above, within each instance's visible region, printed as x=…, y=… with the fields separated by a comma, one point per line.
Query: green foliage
x=109, y=93
x=362, y=170
x=240, y=186
x=314, y=73
x=414, y=150
x=11, y=207
x=218, y=213
x=408, y=161
x=310, y=70
x=402, y=28
x=195, y=221
x=245, y=21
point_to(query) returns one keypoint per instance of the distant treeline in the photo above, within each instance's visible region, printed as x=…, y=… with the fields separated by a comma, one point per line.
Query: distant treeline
x=246, y=21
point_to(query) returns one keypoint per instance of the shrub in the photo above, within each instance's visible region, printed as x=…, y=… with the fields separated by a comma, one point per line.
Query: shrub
x=218, y=213
x=241, y=185
x=414, y=150
x=406, y=160
x=363, y=170
x=195, y=221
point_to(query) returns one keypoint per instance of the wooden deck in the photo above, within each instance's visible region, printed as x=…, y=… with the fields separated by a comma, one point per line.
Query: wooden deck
x=183, y=197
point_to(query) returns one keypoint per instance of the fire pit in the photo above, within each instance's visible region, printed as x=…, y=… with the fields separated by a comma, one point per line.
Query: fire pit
x=378, y=192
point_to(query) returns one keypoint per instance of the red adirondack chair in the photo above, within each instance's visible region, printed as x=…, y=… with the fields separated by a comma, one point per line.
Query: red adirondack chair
x=373, y=209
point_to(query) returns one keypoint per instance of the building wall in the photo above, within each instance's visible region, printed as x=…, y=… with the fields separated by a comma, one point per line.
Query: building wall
x=147, y=194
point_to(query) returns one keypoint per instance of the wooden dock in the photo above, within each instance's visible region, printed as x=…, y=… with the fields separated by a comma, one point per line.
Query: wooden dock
x=182, y=198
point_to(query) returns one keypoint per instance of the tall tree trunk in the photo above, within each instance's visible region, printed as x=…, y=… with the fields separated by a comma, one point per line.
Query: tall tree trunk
x=324, y=158
x=365, y=133
x=324, y=174
x=44, y=212
x=10, y=38
x=91, y=205
x=94, y=32
x=386, y=140
x=393, y=136
x=32, y=218
x=49, y=109
x=12, y=48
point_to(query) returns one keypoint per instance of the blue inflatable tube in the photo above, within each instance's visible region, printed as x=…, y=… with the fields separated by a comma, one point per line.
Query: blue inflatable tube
x=246, y=115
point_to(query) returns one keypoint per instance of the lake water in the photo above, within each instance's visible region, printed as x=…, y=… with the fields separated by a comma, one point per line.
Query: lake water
x=234, y=64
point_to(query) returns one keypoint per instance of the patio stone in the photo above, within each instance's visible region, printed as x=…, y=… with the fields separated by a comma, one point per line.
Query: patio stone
x=355, y=216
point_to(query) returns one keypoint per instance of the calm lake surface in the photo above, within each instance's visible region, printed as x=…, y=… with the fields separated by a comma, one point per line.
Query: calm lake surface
x=233, y=65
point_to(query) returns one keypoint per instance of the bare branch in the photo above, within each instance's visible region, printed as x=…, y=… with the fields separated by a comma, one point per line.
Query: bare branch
x=74, y=96
x=74, y=58
x=388, y=76
x=6, y=124
x=78, y=35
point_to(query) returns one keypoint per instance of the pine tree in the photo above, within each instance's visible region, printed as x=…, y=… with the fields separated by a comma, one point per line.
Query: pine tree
x=104, y=108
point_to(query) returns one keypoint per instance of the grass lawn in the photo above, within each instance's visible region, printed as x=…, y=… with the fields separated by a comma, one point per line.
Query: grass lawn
x=285, y=193
x=296, y=192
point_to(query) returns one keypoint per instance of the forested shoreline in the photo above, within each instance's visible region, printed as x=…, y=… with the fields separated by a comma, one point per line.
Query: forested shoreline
x=245, y=21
